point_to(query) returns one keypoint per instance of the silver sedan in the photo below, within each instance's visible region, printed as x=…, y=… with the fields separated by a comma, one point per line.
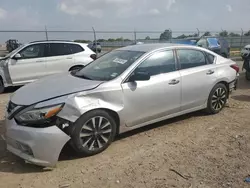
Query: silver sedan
x=122, y=90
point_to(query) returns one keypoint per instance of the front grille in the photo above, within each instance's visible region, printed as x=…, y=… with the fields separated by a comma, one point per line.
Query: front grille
x=11, y=106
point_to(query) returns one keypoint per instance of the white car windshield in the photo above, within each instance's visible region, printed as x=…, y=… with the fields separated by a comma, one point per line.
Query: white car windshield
x=109, y=66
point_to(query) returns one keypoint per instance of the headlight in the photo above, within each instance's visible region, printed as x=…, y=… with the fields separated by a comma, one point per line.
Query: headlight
x=38, y=115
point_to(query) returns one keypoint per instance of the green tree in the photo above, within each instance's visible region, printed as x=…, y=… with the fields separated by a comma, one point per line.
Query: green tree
x=101, y=40
x=166, y=35
x=207, y=33
x=147, y=38
x=223, y=34
x=111, y=40
x=234, y=34
x=247, y=33
x=82, y=41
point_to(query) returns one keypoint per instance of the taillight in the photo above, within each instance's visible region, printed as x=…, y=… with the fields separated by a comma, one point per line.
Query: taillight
x=93, y=56
x=235, y=67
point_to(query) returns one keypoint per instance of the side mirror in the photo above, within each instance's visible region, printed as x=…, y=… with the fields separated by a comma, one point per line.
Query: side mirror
x=199, y=45
x=139, y=76
x=17, y=56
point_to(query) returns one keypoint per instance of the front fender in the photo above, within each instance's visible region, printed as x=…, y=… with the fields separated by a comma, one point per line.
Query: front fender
x=82, y=103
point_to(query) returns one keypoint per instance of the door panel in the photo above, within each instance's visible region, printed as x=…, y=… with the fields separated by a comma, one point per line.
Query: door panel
x=157, y=97
x=197, y=78
x=60, y=58
x=31, y=65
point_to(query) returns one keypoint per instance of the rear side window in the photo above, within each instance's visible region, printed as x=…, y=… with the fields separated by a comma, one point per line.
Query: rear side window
x=158, y=63
x=75, y=48
x=210, y=58
x=57, y=49
x=191, y=58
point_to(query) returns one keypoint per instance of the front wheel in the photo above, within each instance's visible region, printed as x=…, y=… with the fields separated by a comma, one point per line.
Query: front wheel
x=93, y=132
x=2, y=88
x=217, y=99
x=248, y=75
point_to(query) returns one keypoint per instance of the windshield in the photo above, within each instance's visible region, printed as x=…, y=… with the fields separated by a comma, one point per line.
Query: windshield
x=109, y=66
x=14, y=51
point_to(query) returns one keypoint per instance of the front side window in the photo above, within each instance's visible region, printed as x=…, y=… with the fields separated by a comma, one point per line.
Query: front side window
x=33, y=51
x=109, y=66
x=158, y=63
x=58, y=49
x=190, y=58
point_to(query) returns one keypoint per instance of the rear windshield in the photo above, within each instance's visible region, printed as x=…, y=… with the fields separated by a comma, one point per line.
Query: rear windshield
x=213, y=42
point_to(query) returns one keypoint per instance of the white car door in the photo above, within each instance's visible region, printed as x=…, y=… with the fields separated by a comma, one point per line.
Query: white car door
x=60, y=58
x=198, y=77
x=30, y=66
x=155, y=98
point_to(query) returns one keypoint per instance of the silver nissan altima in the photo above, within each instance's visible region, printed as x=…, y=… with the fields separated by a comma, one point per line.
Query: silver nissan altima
x=122, y=90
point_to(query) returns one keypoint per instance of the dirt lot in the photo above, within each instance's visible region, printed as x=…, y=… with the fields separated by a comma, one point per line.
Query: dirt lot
x=208, y=151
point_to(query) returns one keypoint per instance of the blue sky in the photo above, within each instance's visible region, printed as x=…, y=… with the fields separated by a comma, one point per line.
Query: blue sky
x=152, y=15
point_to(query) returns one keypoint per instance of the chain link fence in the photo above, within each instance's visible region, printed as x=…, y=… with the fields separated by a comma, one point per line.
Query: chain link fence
x=114, y=39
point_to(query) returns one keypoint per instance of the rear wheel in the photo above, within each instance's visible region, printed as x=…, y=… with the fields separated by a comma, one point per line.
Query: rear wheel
x=93, y=132
x=247, y=75
x=217, y=99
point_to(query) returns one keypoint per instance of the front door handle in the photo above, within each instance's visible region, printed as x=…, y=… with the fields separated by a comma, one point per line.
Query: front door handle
x=174, y=82
x=210, y=72
x=40, y=61
x=69, y=58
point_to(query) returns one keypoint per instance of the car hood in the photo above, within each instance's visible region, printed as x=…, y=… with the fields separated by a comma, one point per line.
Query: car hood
x=51, y=87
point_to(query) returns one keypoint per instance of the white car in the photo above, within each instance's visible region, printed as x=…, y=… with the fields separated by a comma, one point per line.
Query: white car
x=35, y=60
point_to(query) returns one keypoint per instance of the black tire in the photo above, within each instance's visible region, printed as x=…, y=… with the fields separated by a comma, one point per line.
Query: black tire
x=1, y=86
x=95, y=139
x=247, y=74
x=217, y=99
x=224, y=55
x=76, y=68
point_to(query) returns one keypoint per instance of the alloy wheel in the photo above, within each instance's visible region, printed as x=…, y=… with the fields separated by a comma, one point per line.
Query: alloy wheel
x=95, y=133
x=219, y=99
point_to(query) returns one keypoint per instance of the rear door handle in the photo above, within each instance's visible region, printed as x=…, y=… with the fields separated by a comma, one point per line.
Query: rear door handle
x=40, y=61
x=69, y=58
x=210, y=72
x=174, y=82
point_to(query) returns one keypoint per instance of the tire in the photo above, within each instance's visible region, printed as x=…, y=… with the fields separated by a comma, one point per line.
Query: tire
x=89, y=140
x=1, y=86
x=76, y=68
x=247, y=74
x=224, y=55
x=217, y=99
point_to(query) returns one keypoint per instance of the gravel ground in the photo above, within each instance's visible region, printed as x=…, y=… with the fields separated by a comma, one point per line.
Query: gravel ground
x=193, y=150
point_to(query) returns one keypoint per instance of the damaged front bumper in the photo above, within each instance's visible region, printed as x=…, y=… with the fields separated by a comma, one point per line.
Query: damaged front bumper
x=40, y=146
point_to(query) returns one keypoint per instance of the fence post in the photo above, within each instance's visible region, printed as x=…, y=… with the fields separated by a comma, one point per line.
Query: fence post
x=241, y=38
x=95, y=41
x=198, y=32
x=46, y=33
x=135, y=37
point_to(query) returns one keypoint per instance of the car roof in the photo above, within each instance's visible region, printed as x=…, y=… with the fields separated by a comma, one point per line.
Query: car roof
x=151, y=47
x=57, y=41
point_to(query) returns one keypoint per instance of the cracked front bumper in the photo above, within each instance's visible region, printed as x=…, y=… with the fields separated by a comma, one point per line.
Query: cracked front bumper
x=40, y=146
